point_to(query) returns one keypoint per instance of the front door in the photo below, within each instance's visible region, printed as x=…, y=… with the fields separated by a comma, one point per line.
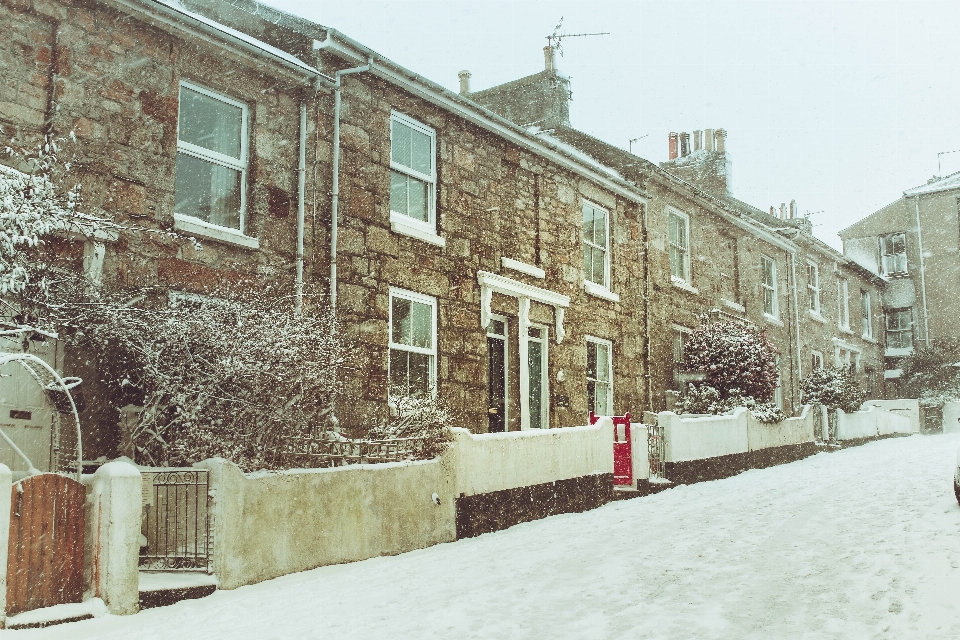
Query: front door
x=497, y=373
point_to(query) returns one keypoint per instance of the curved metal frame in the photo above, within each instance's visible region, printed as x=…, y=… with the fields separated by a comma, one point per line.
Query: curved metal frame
x=23, y=359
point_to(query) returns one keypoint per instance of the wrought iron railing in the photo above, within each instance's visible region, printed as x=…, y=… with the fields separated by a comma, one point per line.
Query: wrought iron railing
x=309, y=453
x=656, y=452
x=176, y=521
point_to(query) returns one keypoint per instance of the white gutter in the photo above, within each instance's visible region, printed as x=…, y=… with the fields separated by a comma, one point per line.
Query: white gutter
x=335, y=186
x=923, y=279
x=473, y=113
x=796, y=320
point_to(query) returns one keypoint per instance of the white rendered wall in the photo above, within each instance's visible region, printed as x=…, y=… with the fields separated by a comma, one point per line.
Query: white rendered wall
x=906, y=407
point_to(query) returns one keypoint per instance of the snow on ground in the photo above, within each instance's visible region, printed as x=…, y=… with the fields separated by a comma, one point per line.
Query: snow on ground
x=860, y=543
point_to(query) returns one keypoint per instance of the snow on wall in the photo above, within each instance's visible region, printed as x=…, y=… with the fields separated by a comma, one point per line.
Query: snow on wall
x=871, y=422
x=639, y=454
x=951, y=417
x=908, y=407
x=489, y=462
x=697, y=438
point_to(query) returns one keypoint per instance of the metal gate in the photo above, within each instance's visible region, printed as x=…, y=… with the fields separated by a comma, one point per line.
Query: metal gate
x=45, y=562
x=656, y=452
x=176, y=521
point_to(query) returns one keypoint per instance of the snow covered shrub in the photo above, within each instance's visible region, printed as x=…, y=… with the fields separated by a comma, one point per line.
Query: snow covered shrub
x=424, y=417
x=734, y=357
x=832, y=387
x=931, y=373
x=230, y=375
x=704, y=399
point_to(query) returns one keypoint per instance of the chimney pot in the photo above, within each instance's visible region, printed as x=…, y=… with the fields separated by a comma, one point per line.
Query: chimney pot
x=464, y=82
x=721, y=135
x=548, y=59
x=793, y=209
x=773, y=211
x=708, y=135
x=674, y=138
x=783, y=211
x=697, y=140
x=684, y=144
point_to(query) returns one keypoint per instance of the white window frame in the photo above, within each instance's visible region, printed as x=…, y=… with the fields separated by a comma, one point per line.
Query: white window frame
x=818, y=357
x=191, y=224
x=506, y=363
x=686, y=278
x=774, y=313
x=401, y=222
x=883, y=266
x=413, y=296
x=866, y=313
x=843, y=303
x=608, y=345
x=684, y=333
x=544, y=339
x=899, y=330
x=605, y=248
x=778, y=391
x=813, y=288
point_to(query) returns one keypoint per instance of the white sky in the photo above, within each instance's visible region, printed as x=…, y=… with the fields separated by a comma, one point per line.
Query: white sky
x=840, y=105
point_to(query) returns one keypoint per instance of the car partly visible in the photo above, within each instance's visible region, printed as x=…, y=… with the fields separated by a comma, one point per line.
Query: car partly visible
x=956, y=478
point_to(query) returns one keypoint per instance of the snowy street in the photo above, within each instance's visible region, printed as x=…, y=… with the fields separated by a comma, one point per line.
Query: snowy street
x=859, y=543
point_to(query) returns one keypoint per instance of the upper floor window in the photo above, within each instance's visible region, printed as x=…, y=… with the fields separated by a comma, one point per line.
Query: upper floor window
x=768, y=285
x=211, y=158
x=813, y=287
x=599, y=377
x=843, y=303
x=679, y=246
x=413, y=172
x=681, y=335
x=893, y=253
x=865, y=314
x=596, y=245
x=816, y=360
x=413, y=343
x=900, y=329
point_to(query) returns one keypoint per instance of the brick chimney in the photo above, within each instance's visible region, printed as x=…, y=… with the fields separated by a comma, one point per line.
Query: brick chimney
x=464, y=82
x=674, y=143
x=684, y=144
x=549, y=63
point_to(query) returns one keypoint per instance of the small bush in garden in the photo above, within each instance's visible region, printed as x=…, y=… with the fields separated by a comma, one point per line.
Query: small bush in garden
x=425, y=417
x=704, y=399
x=734, y=356
x=833, y=387
x=930, y=373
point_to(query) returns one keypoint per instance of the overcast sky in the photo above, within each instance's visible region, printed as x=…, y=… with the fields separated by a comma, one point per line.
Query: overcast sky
x=840, y=105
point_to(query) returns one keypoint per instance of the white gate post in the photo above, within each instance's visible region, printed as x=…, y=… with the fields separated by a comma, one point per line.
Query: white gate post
x=117, y=504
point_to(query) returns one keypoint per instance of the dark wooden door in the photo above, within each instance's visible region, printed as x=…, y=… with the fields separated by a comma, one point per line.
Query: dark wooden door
x=45, y=562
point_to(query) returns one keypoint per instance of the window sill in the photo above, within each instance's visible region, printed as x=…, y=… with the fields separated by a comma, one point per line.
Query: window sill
x=523, y=267
x=892, y=374
x=684, y=285
x=893, y=352
x=598, y=291
x=870, y=339
x=733, y=305
x=773, y=320
x=845, y=330
x=402, y=227
x=197, y=227
x=816, y=316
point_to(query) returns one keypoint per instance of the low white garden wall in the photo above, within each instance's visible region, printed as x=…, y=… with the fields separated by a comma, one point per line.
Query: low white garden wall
x=639, y=453
x=907, y=407
x=871, y=422
x=489, y=462
x=270, y=524
x=700, y=437
x=951, y=417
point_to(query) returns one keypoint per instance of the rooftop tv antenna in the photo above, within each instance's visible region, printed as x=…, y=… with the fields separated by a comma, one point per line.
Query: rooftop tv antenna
x=556, y=38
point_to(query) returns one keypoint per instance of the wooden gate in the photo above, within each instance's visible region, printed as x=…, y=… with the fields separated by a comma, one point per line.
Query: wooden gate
x=45, y=563
x=622, y=456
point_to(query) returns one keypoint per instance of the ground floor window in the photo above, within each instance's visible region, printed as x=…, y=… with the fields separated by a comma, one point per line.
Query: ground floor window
x=413, y=343
x=599, y=376
x=497, y=366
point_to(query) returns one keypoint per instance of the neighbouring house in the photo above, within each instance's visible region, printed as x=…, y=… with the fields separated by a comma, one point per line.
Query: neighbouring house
x=913, y=243
x=710, y=254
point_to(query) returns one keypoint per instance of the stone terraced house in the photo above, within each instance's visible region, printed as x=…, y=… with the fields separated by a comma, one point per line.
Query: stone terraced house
x=525, y=271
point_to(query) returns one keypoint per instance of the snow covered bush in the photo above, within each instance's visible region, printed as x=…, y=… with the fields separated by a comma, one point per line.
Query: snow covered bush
x=736, y=359
x=931, y=373
x=832, y=387
x=704, y=399
x=424, y=417
x=230, y=374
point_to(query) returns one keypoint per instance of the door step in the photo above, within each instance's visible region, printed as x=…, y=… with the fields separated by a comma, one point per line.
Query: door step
x=57, y=614
x=164, y=589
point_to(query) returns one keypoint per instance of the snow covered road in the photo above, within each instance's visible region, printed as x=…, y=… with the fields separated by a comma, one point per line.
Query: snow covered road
x=860, y=543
